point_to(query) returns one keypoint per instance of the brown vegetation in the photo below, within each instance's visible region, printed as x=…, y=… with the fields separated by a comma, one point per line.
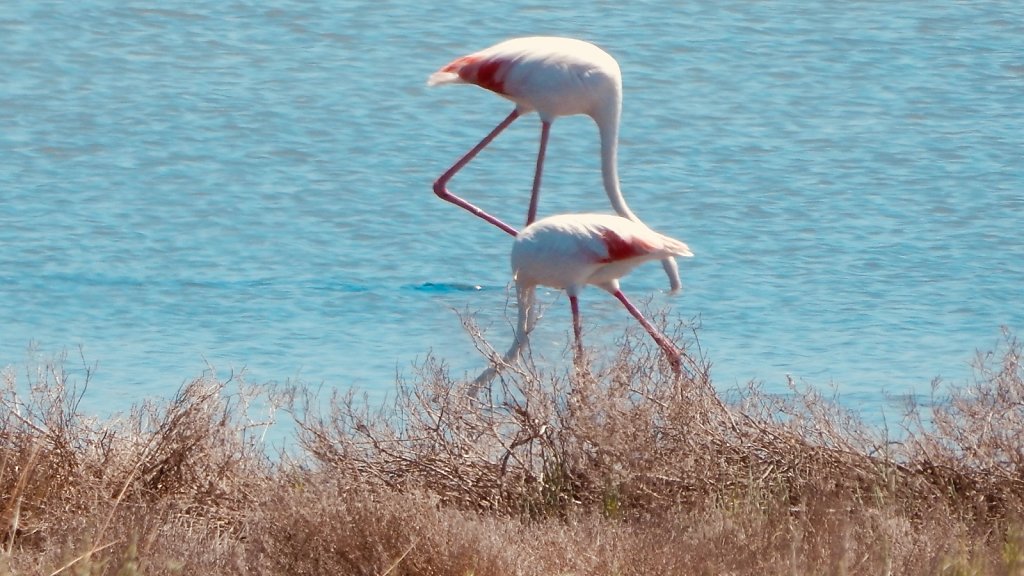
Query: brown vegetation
x=618, y=469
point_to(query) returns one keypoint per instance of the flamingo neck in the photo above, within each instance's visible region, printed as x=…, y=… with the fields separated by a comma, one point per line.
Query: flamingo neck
x=607, y=120
x=608, y=126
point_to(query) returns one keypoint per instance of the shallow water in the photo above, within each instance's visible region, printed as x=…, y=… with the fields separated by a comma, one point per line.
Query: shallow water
x=227, y=186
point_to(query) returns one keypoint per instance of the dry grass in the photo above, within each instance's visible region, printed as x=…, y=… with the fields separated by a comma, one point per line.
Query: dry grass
x=622, y=469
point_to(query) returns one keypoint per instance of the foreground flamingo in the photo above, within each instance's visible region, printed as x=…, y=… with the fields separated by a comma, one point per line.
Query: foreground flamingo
x=568, y=252
x=554, y=77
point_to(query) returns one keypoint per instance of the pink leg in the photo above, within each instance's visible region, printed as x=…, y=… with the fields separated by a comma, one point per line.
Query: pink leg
x=670, y=350
x=545, y=128
x=441, y=184
x=577, y=326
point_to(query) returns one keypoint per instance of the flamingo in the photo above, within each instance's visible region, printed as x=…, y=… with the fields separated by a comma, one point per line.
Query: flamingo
x=569, y=251
x=554, y=77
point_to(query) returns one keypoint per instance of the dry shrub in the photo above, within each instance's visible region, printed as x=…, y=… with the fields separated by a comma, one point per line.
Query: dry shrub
x=971, y=446
x=619, y=467
x=74, y=486
x=330, y=525
x=627, y=437
x=532, y=443
x=796, y=478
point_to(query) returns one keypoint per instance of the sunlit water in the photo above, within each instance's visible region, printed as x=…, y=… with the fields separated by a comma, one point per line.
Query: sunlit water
x=227, y=186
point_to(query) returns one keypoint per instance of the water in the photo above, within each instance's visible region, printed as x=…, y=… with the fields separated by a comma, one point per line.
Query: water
x=226, y=186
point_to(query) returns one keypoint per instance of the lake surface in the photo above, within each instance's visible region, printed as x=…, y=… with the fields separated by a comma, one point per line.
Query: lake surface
x=219, y=186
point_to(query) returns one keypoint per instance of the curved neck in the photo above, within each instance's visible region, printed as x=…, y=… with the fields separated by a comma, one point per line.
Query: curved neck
x=608, y=126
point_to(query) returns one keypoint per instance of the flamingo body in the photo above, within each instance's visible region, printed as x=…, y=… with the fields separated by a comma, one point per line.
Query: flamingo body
x=570, y=251
x=554, y=77
x=550, y=75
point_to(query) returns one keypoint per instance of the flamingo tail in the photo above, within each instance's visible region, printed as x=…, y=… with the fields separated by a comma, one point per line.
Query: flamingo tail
x=677, y=248
x=445, y=76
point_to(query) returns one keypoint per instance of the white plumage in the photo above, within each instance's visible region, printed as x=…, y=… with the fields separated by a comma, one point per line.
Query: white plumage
x=554, y=77
x=569, y=251
x=550, y=75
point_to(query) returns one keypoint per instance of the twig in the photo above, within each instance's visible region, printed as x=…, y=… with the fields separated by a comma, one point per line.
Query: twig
x=399, y=559
x=83, y=556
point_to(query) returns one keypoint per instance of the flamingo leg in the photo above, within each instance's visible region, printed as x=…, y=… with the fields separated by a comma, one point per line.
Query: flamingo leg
x=577, y=326
x=441, y=184
x=670, y=350
x=545, y=129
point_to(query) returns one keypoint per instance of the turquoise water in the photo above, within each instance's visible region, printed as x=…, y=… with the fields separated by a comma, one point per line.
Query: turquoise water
x=226, y=186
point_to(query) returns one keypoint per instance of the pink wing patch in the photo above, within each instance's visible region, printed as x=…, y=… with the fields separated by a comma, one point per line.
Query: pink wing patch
x=620, y=248
x=486, y=73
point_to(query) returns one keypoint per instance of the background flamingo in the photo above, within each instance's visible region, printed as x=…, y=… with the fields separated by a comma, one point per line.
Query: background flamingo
x=568, y=252
x=554, y=77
